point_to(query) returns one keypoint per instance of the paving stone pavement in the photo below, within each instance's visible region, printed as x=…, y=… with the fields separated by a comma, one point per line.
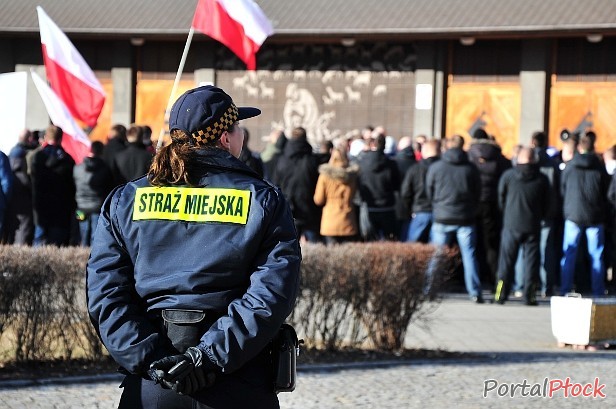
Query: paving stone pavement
x=513, y=344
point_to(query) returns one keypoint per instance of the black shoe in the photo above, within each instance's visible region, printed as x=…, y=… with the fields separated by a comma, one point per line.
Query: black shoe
x=500, y=301
x=477, y=300
x=531, y=303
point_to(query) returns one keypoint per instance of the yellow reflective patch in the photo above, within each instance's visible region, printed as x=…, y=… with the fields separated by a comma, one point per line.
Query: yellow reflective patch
x=191, y=204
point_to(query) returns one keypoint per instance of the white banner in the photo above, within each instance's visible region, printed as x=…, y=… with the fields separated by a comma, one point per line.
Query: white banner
x=13, y=90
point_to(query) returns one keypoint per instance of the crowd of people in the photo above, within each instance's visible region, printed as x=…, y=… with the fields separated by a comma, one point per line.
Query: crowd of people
x=48, y=199
x=518, y=221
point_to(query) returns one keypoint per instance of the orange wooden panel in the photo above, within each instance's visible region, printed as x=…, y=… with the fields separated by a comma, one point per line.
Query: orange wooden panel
x=497, y=104
x=151, y=101
x=568, y=104
x=571, y=101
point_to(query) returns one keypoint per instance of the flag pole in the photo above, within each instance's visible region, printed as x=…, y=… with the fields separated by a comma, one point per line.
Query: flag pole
x=175, y=86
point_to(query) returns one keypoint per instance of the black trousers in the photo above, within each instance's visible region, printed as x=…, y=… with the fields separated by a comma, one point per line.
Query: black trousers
x=489, y=228
x=511, y=242
x=249, y=387
x=385, y=225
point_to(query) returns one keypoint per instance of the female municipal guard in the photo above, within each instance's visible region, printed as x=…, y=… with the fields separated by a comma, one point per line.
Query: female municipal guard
x=195, y=267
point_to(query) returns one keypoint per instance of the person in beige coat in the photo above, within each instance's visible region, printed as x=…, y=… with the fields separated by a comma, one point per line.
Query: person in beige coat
x=335, y=190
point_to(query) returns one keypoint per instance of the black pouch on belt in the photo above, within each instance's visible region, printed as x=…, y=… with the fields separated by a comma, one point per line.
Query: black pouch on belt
x=186, y=327
x=285, y=349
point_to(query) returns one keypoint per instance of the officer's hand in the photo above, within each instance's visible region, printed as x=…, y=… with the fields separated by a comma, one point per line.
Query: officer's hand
x=168, y=370
x=202, y=374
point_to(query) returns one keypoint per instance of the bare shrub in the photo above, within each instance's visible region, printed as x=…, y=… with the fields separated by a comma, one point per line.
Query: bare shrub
x=351, y=294
x=43, y=302
x=356, y=291
x=326, y=306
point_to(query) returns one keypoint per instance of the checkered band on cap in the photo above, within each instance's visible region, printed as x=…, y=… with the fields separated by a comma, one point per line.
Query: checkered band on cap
x=215, y=130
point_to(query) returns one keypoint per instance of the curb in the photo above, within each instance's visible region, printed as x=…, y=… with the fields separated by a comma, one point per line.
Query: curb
x=308, y=368
x=497, y=358
x=83, y=379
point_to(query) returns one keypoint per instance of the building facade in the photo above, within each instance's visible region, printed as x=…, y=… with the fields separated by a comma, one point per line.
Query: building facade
x=434, y=67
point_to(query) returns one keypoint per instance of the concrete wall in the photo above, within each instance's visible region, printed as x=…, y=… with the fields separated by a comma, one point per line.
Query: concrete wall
x=534, y=88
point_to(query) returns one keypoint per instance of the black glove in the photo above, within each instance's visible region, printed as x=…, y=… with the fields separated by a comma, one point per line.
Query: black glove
x=201, y=376
x=168, y=370
x=185, y=374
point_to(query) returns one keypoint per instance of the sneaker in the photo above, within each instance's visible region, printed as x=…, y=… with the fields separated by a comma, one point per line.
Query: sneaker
x=499, y=293
x=518, y=294
x=477, y=299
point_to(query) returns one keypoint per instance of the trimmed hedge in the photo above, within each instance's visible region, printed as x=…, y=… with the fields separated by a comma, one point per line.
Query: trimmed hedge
x=42, y=304
x=352, y=294
x=364, y=294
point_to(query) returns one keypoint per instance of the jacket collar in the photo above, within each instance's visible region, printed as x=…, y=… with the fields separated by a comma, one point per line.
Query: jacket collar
x=221, y=159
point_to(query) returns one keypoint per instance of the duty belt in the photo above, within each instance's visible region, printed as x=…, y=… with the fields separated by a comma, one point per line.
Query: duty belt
x=186, y=327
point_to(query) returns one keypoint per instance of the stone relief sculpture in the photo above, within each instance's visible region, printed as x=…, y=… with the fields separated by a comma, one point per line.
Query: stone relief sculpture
x=327, y=89
x=301, y=109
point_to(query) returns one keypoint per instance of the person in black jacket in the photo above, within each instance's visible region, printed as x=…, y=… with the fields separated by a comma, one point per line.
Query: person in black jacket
x=405, y=159
x=584, y=187
x=21, y=224
x=250, y=158
x=414, y=195
x=611, y=235
x=550, y=242
x=523, y=197
x=194, y=268
x=378, y=181
x=551, y=225
x=297, y=172
x=93, y=182
x=116, y=143
x=486, y=154
x=53, y=190
x=452, y=184
x=272, y=152
x=134, y=161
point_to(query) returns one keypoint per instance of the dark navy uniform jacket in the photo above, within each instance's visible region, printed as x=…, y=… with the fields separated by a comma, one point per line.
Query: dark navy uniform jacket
x=229, y=246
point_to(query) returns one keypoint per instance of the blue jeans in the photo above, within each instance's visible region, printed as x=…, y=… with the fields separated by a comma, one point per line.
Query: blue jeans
x=311, y=236
x=595, y=236
x=404, y=229
x=419, y=228
x=87, y=228
x=444, y=234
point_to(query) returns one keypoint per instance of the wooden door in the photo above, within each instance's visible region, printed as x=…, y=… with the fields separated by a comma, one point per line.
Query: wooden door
x=496, y=106
x=151, y=101
x=573, y=102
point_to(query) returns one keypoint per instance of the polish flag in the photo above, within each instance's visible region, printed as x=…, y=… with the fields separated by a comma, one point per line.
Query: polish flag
x=74, y=140
x=239, y=24
x=68, y=73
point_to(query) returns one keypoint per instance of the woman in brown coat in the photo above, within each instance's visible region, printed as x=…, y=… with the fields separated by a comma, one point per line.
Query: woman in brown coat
x=335, y=190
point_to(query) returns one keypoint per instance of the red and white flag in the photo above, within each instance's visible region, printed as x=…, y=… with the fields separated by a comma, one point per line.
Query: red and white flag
x=239, y=24
x=68, y=73
x=74, y=140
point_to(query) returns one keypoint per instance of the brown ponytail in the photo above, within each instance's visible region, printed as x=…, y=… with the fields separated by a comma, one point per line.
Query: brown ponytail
x=171, y=163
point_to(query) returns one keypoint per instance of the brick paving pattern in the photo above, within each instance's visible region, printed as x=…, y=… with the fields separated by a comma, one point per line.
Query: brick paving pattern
x=515, y=344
